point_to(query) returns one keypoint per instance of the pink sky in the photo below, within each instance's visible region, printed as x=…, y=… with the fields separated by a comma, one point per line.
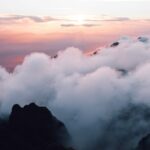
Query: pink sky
x=21, y=35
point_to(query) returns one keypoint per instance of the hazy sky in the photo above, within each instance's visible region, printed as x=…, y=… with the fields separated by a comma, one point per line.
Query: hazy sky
x=50, y=25
x=131, y=8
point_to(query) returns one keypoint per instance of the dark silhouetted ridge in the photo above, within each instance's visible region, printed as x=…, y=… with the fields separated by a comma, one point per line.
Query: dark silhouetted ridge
x=33, y=128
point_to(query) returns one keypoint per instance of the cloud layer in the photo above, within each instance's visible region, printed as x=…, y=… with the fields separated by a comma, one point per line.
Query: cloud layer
x=18, y=19
x=4, y=19
x=85, y=92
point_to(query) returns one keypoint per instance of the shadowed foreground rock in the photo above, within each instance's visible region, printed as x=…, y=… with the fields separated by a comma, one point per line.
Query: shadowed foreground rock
x=33, y=128
x=144, y=144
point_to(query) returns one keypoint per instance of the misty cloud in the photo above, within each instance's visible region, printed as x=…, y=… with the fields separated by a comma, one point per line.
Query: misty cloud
x=88, y=93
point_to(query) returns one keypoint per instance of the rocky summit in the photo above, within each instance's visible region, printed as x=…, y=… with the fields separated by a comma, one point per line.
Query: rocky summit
x=33, y=128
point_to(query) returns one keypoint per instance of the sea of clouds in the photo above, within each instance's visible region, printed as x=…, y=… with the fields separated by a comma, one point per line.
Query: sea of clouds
x=89, y=94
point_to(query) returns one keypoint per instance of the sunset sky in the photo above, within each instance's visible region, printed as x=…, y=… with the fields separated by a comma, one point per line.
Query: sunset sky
x=50, y=25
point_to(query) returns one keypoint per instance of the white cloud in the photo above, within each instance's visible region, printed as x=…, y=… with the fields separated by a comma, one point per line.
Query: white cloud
x=85, y=92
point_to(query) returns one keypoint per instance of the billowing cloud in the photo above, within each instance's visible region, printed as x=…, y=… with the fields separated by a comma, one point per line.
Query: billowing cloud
x=88, y=93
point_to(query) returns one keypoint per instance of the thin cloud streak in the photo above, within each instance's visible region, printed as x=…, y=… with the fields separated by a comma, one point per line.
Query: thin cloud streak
x=82, y=25
x=36, y=19
x=6, y=19
x=110, y=19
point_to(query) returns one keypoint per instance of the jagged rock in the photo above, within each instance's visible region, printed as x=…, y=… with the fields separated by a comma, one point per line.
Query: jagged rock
x=33, y=128
x=94, y=53
x=115, y=44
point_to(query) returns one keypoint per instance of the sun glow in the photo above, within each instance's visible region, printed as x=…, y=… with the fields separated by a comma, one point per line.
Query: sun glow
x=79, y=20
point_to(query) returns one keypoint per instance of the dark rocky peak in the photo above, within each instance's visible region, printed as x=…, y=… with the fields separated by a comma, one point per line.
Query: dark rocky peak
x=95, y=52
x=31, y=114
x=114, y=44
x=33, y=128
